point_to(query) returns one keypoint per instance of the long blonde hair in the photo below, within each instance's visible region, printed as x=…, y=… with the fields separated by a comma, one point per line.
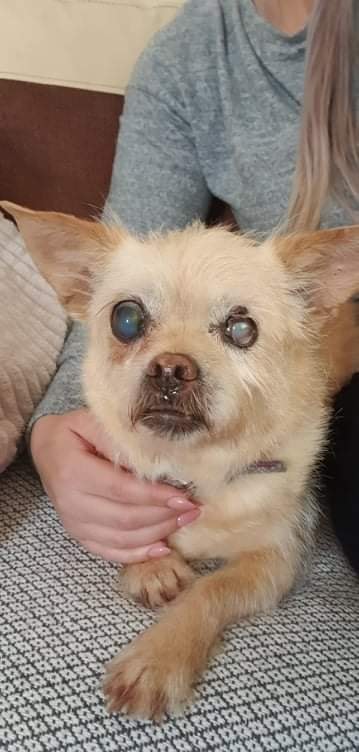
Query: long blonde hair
x=328, y=150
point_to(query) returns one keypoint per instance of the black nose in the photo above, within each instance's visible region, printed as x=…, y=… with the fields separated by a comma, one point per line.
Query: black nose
x=172, y=371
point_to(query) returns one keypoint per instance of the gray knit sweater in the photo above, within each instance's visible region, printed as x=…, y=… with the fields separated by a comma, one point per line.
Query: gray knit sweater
x=212, y=109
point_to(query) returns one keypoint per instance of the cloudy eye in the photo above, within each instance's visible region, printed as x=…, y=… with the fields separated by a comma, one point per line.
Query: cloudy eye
x=241, y=330
x=128, y=321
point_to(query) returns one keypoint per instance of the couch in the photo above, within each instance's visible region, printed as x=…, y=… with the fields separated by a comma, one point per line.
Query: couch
x=284, y=681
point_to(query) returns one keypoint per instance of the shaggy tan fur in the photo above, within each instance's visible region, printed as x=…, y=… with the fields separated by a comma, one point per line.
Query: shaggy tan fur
x=268, y=402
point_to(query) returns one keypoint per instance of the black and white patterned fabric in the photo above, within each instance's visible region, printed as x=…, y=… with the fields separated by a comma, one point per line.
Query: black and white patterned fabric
x=284, y=682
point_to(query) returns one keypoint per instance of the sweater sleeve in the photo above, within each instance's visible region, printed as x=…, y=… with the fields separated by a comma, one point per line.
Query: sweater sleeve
x=157, y=182
x=64, y=392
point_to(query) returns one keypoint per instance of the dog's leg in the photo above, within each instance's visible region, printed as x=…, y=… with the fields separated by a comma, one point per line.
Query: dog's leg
x=156, y=672
x=155, y=583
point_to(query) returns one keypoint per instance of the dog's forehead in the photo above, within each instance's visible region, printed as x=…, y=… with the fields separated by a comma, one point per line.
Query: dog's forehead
x=194, y=263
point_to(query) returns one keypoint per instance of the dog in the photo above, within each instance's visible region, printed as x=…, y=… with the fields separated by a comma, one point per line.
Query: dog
x=211, y=363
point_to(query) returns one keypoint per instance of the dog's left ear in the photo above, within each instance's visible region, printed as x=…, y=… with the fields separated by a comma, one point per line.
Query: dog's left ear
x=67, y=251
x=325, y=264
x=325, y=267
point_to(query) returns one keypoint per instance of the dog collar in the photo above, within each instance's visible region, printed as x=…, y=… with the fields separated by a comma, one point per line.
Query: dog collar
x=259, y=467
x=264, y=466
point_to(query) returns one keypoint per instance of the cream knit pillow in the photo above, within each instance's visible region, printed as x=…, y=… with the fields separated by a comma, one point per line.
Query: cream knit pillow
x=32, y=332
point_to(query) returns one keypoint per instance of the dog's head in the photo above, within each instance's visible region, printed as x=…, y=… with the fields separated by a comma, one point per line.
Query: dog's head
x=199, y=334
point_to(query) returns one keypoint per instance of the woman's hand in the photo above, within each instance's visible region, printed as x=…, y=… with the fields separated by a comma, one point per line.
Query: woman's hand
x=106, y=509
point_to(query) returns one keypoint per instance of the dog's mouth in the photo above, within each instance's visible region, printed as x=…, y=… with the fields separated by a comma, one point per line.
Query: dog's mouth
x=172, y=409
x=171, y=422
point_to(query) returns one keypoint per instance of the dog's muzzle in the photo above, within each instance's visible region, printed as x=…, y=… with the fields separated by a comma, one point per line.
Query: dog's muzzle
x=171, y=402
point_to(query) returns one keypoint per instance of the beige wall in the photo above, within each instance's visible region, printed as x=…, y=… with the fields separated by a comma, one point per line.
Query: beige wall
x=86, y=44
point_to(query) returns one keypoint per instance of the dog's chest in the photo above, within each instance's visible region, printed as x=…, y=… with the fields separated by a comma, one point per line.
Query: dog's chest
x=251, y=512
x=242, y=508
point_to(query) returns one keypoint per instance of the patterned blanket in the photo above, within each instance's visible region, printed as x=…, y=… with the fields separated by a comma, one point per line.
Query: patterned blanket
x=285, y=682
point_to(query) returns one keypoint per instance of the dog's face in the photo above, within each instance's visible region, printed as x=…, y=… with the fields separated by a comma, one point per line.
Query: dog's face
x=199, y=335
x=195, y=334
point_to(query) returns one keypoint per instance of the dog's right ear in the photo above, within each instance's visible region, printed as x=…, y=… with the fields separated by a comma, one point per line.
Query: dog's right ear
x=67, y=251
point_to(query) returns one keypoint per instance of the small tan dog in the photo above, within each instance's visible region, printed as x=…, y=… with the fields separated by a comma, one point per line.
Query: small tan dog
x=211, y=362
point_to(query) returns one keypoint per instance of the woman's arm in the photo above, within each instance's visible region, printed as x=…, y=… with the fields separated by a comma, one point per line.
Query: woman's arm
x=157, y=183
x=64, y=392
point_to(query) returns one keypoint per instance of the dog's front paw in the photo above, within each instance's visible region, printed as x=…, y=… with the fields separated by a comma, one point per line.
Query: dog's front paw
x=149, y=678
x=155, y=583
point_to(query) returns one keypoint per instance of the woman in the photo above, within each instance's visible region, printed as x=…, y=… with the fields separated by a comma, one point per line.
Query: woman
x=253, y=102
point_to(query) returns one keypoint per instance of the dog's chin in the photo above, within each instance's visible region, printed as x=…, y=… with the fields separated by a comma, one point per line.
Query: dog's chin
x=171, y=424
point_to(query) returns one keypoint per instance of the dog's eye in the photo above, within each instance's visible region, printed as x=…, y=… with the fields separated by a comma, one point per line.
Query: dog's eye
x=128, y=321
x=241, y=330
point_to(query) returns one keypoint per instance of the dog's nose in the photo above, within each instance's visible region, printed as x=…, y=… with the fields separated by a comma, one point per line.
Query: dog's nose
x=173, y=367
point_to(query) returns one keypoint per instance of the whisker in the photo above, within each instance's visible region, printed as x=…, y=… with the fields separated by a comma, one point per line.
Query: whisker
x=110, y=304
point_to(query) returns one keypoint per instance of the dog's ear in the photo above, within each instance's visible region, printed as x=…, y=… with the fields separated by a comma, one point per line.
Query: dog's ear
x=67, y=251
x=325, y=267
x=325, y=264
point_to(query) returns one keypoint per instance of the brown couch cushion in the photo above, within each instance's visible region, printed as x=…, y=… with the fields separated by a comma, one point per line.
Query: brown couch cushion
x=57, y=146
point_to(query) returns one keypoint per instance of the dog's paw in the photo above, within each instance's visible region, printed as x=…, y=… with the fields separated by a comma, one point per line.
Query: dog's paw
x=149, y=679
x=155, y=583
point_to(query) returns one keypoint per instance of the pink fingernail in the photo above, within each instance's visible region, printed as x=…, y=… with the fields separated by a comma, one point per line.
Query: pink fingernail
x=185, y=519
x=180, y=505
x=157, y=551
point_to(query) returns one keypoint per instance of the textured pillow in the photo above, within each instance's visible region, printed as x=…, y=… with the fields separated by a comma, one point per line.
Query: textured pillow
x=32, y=331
